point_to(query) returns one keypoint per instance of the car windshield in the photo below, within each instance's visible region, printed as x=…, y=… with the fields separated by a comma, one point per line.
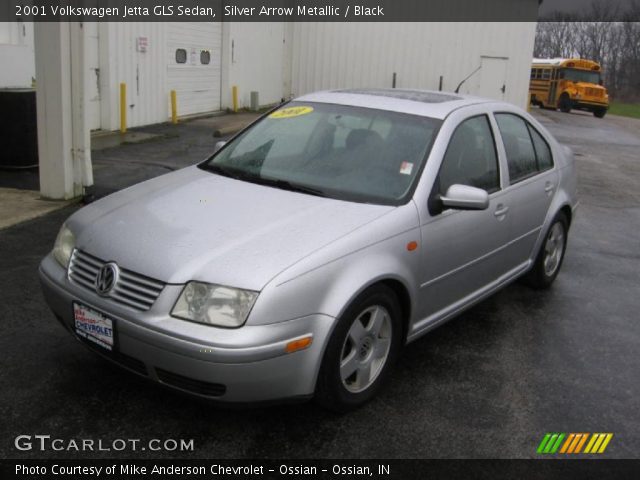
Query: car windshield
x=585, y=76
x=348, y=153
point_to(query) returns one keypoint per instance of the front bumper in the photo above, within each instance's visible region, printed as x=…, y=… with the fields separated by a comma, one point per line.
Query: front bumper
x=247, y=364
x=589, y=105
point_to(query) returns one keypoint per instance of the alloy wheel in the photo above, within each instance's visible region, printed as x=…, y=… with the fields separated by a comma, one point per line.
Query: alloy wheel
x=553, y=249
x=365, y=349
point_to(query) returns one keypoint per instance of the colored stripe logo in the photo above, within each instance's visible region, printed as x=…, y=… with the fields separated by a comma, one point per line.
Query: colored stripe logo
x=571, y=443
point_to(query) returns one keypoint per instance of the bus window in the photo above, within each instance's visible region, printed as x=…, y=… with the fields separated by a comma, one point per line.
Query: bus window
x=546, y=74
x=585, y=76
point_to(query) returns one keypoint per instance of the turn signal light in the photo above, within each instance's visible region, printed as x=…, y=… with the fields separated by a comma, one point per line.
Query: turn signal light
x=411, y=246
x=299, y=344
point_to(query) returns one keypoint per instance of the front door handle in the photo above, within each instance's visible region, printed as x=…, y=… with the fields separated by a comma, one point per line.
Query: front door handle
x=501, y=211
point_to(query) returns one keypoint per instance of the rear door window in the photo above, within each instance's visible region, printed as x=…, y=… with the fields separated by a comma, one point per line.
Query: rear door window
x=543, y=152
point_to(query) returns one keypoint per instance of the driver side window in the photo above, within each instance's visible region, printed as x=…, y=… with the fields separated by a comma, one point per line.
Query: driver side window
x=471, y=157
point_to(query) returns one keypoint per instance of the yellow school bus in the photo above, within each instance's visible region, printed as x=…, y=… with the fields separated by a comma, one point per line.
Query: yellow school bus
x=567, y=84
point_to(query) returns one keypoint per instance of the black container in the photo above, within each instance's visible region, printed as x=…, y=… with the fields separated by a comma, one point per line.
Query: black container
x=18, y=128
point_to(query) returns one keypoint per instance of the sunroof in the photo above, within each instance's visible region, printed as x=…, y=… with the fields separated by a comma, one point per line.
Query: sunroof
x=414, y=95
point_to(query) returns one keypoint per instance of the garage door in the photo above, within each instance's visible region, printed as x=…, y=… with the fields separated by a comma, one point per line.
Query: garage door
x=194, y=60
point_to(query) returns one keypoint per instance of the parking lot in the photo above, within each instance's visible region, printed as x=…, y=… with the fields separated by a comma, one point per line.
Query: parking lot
x=490, y=383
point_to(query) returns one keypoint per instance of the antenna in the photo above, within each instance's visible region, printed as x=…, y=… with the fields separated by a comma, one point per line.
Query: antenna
x=471, y=75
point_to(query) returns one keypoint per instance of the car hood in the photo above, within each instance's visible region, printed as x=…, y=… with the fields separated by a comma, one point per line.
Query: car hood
x=195, y=225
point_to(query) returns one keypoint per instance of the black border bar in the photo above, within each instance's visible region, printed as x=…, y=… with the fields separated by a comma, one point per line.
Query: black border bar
x=271, y=10
x=199, y=469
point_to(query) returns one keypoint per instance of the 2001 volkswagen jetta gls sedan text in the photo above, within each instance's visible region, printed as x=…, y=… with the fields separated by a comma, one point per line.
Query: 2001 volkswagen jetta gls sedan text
x=304, y=253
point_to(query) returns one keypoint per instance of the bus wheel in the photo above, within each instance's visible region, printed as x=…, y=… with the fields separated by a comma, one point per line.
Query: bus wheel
x=565, y=103
x=600, y=113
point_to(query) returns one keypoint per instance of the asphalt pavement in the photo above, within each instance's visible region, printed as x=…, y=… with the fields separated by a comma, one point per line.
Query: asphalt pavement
x=489, y=383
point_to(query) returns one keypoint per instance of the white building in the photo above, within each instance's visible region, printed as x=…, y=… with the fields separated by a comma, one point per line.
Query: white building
x=202, y=61
x=16, y=55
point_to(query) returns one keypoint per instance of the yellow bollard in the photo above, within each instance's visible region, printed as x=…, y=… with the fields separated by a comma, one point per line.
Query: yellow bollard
x=123, y=108
x=174, y=107
x=234, y=96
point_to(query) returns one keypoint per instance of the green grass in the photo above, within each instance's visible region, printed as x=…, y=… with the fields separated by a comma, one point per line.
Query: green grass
x=625, y=109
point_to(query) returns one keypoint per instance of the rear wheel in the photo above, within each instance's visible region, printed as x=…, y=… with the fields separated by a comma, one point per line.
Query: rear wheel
x=565, y=103
x=361, y=351
x=549, y=260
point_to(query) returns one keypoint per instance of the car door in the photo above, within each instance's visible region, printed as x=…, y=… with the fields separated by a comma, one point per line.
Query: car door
x=462, y=253
x=532, y=183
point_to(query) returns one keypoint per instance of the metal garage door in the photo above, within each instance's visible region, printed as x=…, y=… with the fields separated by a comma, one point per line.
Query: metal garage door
x=193, y=68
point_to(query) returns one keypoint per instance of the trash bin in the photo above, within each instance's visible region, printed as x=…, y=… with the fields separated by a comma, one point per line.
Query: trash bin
x=18, y=128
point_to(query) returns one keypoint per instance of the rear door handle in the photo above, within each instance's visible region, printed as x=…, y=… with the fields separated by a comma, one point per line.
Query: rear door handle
x=548, y=187
x=501, y=211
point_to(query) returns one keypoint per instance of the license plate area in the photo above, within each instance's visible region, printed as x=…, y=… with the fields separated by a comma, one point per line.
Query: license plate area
x=94, y=327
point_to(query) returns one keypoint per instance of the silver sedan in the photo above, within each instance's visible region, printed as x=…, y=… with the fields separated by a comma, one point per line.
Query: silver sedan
x=301, y=256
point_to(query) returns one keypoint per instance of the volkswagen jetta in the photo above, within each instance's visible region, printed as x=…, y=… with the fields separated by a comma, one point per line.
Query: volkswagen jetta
x=302, y=255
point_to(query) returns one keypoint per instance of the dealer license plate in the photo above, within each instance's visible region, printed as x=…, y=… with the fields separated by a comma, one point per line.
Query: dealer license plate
x=93, y=326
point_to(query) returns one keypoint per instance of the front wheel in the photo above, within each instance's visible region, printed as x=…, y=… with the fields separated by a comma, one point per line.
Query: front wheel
x=549, y=259
x=600, y=113
x=361, y=351
x=565, y=103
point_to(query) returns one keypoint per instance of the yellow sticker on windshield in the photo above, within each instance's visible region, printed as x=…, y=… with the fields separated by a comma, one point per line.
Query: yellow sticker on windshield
x=290, y=112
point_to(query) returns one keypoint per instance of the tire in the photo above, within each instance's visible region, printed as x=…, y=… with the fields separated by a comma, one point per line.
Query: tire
x=600, y=113
x=361, y=352
x=565, y=103
x=549, y=259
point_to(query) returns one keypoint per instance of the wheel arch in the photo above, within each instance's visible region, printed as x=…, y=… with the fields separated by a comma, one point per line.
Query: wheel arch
x=566, y=210
x=404, y=301
x=563, y=207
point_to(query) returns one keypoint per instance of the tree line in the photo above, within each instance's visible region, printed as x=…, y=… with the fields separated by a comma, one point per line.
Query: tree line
x=613, y=44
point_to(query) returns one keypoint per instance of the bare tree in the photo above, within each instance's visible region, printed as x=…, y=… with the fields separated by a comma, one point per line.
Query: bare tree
x=615, y=45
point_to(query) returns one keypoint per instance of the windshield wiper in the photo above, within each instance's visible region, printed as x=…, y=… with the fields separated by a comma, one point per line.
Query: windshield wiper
x=293, y=187
x=231, y=172
x=271, y=182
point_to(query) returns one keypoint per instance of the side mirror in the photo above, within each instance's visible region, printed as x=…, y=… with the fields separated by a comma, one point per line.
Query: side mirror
x=464, y=197
x=219, y=145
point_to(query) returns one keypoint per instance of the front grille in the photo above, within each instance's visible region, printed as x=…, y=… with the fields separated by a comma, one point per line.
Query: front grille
x=190, y=384
x=132, y=289
x=121, y=359
x=130, y=363
x=594, y=92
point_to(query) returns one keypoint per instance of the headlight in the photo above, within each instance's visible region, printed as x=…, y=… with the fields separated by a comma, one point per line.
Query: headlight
x=214, y=304
x=65, y=243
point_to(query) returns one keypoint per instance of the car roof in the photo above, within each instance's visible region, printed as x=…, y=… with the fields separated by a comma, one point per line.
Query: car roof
x=426, y=103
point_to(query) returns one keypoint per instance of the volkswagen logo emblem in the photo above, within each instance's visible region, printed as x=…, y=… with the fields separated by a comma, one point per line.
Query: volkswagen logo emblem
x=107, y=278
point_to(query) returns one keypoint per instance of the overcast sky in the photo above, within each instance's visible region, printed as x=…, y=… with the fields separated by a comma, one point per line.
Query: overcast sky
x=571, y=6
